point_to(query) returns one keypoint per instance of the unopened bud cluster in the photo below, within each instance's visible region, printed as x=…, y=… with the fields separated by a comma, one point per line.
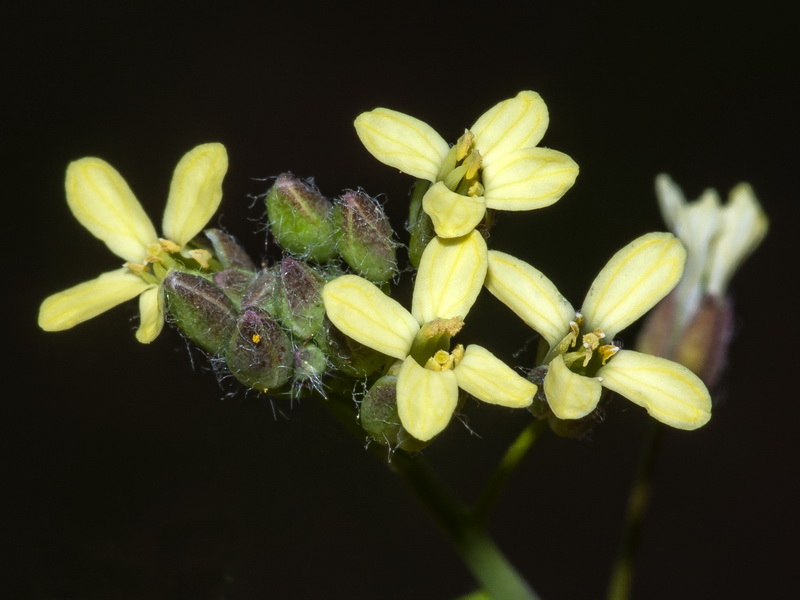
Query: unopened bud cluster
x=268, y=324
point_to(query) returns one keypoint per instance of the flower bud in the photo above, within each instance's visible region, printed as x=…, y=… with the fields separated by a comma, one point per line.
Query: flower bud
x=234, y=282
x=259, y=352
x=262, y=291
x=300, y=219
x=366, y=242
x=200, y=309
x=310, y=362
x=348, y=356
x=299, y=305
x=380, y=420
x=228, y=250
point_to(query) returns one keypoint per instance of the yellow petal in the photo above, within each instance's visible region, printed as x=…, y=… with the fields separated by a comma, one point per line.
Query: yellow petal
x=195, y=192
x=528, y=179
x=451, y=274
x=403, y=142
x=360, y=310
x=743, y=226
x=151, y=313
x=633, y=281
x=86, y=300
x=570, y=396
x=453, y=215
x=531, y=295
x=486, y=377
x=103, y=203
x=518, y=122
x=426, y=400
x=670, y=392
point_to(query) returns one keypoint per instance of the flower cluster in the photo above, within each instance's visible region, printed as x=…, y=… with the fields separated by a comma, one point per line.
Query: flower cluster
x=320, y=317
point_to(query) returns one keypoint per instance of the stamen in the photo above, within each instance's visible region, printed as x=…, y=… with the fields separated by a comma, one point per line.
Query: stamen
x=607, y=351
x=201, y=256
x=437, y=327
x=464, y=144
x=169, y=246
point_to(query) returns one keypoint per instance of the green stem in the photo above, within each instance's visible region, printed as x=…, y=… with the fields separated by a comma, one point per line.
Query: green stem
x=490, y=568
x=638, y=500
x=510, y=461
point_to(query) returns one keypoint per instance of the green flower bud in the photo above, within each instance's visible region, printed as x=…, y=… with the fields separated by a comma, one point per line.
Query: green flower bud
x=310, y=362
x=380, y=420
x=259, y=352
x=234, y=282
x=300, y=219
x=200, y=309
x=348, y=356
x=228, y=250
x=262, y=291
x=366, y=241
x=299, y=305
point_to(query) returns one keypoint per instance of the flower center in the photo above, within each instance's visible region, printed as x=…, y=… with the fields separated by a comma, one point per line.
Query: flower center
x=581, y=360
x=164, y=256
x=445, y=361
x=461, y=170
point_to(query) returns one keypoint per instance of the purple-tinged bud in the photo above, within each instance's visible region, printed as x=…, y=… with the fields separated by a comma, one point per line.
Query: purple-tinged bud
x=234, y=282
x=367, y=239
x=262, y=291
x=229, y=251
x=348, y=356
x=299, y=303
x=310, y=363
x=380, y=420
x=300, y=219
x=420, y=225
x=200, y=309
x=259, y=352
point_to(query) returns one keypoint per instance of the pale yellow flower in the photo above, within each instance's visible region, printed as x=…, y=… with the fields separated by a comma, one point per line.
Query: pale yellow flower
x=450, y=276
x=582, y=357
x=101, y=201
x=717, y=238
x=495, y=164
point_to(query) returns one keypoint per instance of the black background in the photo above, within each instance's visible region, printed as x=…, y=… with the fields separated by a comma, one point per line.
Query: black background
x=133, y=475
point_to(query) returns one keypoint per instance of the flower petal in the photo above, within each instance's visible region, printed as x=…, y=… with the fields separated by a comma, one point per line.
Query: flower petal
x=570, y=396
x=195, y=192
x=151, y=314
x=426, y=400
x=103, y=203
x=453, y=215
x=483, y=375
x=362, y=311
x=403, y=142
x=670, y=392
x=633, y=281
x=528, y=179
x=451, y=274
x=518, y=122
x=744, y=225
x=531, y=295
x=87, y=300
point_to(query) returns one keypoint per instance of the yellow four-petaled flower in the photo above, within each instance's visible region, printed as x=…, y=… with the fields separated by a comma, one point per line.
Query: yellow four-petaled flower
x=450, y=276
x=495, y=164
x=101, y=201
x=581, y=358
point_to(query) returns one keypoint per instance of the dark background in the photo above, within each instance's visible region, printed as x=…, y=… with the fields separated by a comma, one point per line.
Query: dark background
x=132, y=474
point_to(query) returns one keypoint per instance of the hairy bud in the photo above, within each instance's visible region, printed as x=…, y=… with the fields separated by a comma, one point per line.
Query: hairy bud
x=259, y=352
x=228, y=251
x=300, y=219
x=200, y=309
x=366, y=242
x=380, y=420
x=299, y=303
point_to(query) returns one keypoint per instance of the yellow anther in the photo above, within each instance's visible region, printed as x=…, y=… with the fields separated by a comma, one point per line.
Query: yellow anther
x=473, y=163
x=607, y=351
x=201, y=256
x=591, y=341
x=135, y=268
x=256, y=338
x=436, y=327
x=464, y=144
x=169, y=246
x=476, y=189
x=445, y=361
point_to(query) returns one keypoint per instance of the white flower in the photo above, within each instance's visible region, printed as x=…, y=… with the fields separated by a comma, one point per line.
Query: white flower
x=101, y=201
x=495, y=164
x=582, y=358
x=450, y=276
